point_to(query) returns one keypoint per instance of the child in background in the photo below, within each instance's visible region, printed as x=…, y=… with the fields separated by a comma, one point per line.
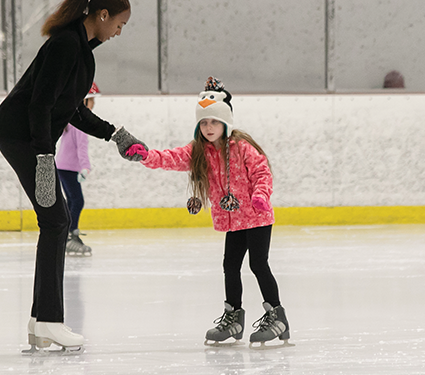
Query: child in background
x=73, y=164
x=230, y=170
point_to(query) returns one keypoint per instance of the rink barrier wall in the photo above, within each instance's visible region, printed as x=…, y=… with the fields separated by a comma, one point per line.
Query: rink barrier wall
x=133, y=218
x=329, y=153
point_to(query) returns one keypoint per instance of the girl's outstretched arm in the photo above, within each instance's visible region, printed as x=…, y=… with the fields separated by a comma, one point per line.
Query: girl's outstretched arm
x=177, y=159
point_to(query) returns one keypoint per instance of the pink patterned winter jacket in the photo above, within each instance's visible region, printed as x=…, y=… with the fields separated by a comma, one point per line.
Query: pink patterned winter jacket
x=250, y=177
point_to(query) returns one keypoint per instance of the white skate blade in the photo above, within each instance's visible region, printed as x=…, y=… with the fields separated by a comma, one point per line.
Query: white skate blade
x=65, y=351
x=263, y=346
x=223, y=344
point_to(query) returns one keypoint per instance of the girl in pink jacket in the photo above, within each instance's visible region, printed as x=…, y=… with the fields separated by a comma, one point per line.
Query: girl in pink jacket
x=231, y=171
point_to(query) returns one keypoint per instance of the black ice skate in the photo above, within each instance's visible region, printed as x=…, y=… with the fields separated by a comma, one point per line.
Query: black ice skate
x=271, y=325
x=230, y=324
x=75, y=247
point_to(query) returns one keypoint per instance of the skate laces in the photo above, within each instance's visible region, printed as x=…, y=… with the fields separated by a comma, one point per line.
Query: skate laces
x=77, y=239
x=225, y=320
x=265, y=321
x=75, y=243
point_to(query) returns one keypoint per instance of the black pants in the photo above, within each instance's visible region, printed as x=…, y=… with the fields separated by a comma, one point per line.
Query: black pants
x=74, y=195
x=257, y=241
x=54, y=225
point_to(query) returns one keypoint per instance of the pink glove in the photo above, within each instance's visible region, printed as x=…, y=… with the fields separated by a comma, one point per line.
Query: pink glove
x=137, y=149
x=260, y=204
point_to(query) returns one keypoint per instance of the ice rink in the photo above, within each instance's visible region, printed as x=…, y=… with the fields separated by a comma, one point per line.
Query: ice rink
x=354, y=297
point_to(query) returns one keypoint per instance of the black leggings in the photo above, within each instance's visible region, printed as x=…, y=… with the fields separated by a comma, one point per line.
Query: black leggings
x=257, y=241
x=54, y=225
x=74, y=195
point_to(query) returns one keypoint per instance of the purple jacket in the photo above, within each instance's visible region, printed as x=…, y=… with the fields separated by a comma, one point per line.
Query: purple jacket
x=73, y=152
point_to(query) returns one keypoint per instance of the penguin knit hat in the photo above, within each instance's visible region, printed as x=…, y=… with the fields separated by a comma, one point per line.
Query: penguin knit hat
x=214, y=102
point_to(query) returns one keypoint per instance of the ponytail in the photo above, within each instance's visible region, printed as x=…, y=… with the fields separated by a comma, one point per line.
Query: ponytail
x=71, y=10
x=68, y=11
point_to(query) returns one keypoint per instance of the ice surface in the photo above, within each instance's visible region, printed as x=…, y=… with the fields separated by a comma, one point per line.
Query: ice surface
x=354, y=297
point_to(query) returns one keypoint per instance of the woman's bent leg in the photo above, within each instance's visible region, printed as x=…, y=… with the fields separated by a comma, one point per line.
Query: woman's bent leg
x=54, y=225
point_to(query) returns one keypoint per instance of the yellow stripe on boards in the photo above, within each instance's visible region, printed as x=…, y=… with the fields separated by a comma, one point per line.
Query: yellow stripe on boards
x=29, y=220
x=350, y=215
x=10, y=220
x=131, y=218
x=128, y=218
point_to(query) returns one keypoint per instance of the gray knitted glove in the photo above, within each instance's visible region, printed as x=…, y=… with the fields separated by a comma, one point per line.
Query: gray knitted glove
x=124, y=140
x=45, y=180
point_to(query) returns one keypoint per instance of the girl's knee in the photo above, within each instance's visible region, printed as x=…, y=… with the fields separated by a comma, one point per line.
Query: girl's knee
x=231, y=266
x=259, y=268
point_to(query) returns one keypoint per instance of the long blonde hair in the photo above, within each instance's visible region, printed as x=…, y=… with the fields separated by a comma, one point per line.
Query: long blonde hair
x=199, y=166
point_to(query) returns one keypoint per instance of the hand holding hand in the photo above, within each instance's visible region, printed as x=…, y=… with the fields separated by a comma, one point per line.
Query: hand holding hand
x=45, y=180
x=124, y=140
x=82, y=175
x=137, y=149
x=260, y=204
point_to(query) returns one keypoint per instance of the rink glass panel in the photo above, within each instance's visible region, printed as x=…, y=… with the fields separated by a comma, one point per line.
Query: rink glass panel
x=255, y=47
x=127, y=64
x=375, y=37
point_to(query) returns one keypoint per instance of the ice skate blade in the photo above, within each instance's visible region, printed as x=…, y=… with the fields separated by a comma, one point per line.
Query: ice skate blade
x=65, y=351
x=30, y=351
x=263, y=346
x=87, y=254
x=222, y=344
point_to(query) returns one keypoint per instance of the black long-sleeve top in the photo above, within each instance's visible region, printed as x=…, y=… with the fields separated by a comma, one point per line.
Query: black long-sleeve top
x=50, y=93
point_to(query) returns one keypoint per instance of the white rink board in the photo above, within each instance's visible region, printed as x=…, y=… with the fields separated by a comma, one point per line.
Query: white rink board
x=325, y=150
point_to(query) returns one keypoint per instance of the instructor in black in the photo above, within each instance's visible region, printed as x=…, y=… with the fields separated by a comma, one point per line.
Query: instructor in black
x=32, y=117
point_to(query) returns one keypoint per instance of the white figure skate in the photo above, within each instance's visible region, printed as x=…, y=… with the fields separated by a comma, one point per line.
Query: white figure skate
x=42, y=335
